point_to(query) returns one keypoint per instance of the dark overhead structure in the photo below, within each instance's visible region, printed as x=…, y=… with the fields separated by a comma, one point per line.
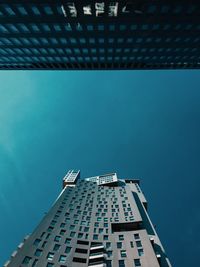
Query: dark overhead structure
x=86, y=35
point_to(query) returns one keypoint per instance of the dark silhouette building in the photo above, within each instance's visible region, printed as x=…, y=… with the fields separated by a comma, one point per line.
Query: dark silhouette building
x=63, y=34
x=100, y=221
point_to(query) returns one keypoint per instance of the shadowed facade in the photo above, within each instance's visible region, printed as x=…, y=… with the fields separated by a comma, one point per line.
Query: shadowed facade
x=77, y=35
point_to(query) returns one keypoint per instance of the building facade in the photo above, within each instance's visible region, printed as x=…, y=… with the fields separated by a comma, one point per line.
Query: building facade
x=98, y=221
x=74, y=34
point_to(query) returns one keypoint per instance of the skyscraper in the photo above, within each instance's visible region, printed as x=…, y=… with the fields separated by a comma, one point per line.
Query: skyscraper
x=98, y=221
x=58, y=34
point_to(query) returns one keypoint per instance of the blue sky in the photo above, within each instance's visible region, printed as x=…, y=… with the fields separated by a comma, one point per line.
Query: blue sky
x=143, y=124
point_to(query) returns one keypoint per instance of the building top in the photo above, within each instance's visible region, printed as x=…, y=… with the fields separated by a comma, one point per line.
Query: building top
x=71, y=177
x=104, y=179
x=99, y=34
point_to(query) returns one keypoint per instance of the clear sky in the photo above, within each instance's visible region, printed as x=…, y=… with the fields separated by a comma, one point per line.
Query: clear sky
x=143, y=124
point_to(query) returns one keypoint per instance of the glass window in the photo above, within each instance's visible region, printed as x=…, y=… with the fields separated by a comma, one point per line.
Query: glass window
x=109, y=253
x=82, y=40
x=34, y=27
x=95, y=237
x=90, y=27
x=108, y=263
x=3, y=29
x=138, y=243
x=119, y=244
x=111, y=27
x=101, y=27
x=68, y=249
x=37, y=242
x=56, y=247
x=62, y=258
x=121, y=237
x=137, y=262
x=57, y=27
x=9, y=10
x=23, y=27
x=26, y=260
x=121, y=263
x=72, y=234
x=22, y=10
x=80, y=235
x=57, y=238
x=122, y=27
x=123, y=253
x=12, y=28
x=35, y=10
x=140, y=251
x=48, y=10
x=105, y=237
x=50, y=256
x=67, y=241
x=38, y=252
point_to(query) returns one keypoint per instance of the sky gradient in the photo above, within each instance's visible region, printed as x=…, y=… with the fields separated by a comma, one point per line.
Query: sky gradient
x=142, y=124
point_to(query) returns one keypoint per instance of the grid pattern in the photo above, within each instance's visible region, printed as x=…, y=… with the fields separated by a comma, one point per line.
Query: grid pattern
x=99, y=35
x=93, y=225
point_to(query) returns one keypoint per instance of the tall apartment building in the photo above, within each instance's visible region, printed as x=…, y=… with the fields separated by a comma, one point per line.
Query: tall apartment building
x=123, y=34
x=99, y=221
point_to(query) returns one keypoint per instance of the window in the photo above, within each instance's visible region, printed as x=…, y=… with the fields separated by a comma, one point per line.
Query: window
x=62, y=258
x=72, y=234
x=67, y=241
x=62, y=225
x=108, y=263
x=121, y=237
x=68, y=249
x=119, y=244
x=44, y=244
x=105, y=237
x=38, y=252
x=80, y=242
x=37, y=242
x=140, y=251
x=57, y=238
x=50, y=256
x=75, y=259
x=109, y=253
x=62, y=232
x=50, y=229
x=81, y=250
x=123, y=253
x=121, y=263
x=137, y=262
x=138, y=243
x=50, y=264
x=80, y=235
x=95, y=237
x=136, y=236
x=131, y=243
x=26, y=260
x=56, y=247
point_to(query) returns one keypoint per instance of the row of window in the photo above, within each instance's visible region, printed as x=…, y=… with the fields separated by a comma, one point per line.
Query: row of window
x=59, y=51
x=40, y=41
x=57, y=9
x=55, y=27
x=166, y=59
